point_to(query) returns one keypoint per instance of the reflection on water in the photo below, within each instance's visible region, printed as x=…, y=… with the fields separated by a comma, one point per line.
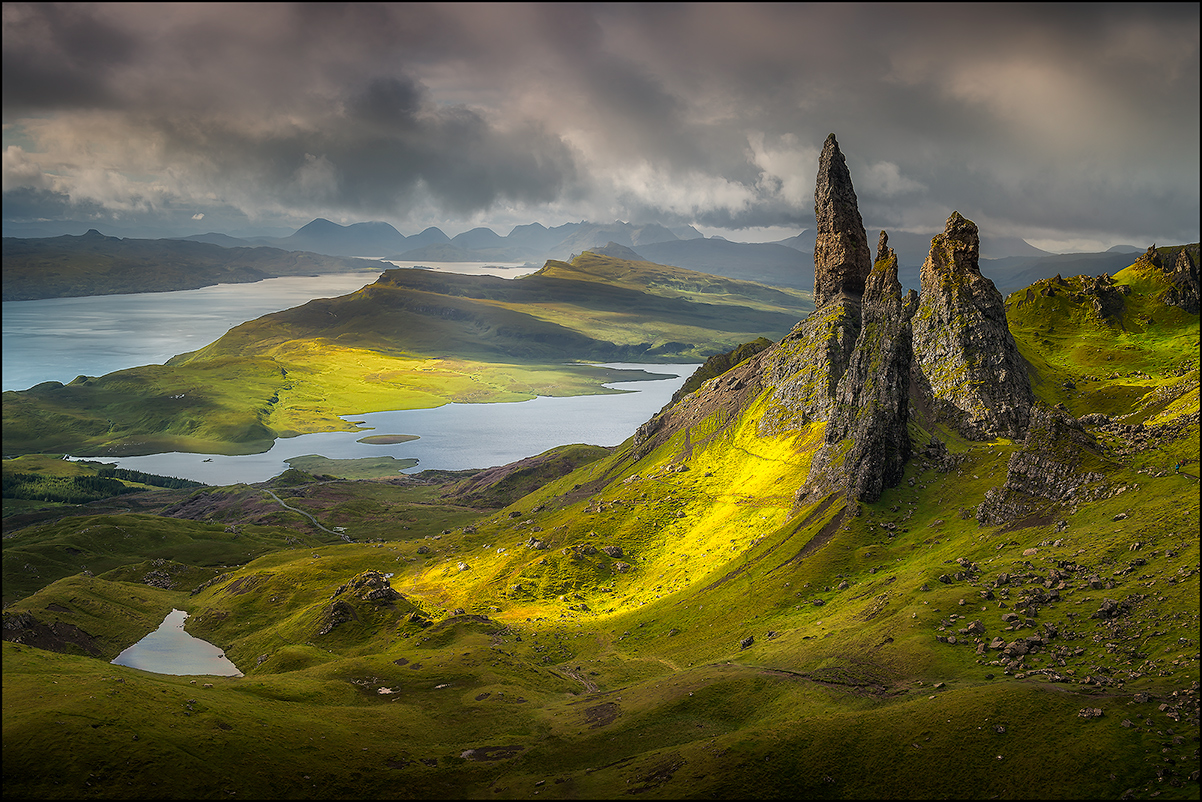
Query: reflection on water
x=170, y=650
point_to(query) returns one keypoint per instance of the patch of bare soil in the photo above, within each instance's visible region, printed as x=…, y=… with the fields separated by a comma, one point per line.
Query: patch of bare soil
x=602, y=714
x=659, y=774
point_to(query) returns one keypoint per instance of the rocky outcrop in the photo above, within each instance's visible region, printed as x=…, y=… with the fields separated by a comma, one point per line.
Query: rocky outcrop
x=841, y=258
x=337, y=612
x=57, y=636
x=1184, y=278
x=805, y=367
x=866, y=443
x=1100, y=294
x=1181, y=271
x=966, y=365
x=1044, y=473
x=369, y=586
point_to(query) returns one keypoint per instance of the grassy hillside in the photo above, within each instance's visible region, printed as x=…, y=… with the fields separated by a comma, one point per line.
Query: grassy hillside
x=414, y=339
x=673, y=621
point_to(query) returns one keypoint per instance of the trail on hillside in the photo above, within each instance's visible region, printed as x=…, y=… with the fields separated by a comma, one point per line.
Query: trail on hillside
x=307, y=515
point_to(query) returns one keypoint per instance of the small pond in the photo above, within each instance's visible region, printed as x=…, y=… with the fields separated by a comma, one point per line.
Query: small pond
x=170, y=650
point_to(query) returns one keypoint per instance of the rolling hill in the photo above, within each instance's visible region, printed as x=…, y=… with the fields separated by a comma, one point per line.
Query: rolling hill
x=671, y=616
x=413, y=339
x=93, y=264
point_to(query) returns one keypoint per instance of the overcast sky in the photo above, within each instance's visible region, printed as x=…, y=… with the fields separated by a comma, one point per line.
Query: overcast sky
x=1075, y=127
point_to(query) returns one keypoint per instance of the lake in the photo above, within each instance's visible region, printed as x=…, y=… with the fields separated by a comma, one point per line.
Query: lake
x=57, y=339
x=450, y=437
x=170, y=650
x=61, y=338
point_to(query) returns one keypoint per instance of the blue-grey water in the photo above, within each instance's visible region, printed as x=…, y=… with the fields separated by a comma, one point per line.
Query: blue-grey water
x=57, y=339
x=170, y=650
x=450, y=437
x=61, y=338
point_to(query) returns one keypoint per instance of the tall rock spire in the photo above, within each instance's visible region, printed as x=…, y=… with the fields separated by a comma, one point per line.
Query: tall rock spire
x=866, y=442
x=966, y=363
x=841, y=258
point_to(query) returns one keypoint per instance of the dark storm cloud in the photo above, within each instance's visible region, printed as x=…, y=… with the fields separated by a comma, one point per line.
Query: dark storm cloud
x=58, y=56
x=374, y=153
x=1072, y=122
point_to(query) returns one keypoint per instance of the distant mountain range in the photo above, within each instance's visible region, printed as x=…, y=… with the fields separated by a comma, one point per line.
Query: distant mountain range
x=1010, y=262
x=788, y=262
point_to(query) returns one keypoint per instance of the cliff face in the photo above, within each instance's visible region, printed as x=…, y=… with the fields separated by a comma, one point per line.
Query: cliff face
x=805, y=367
x=1180, y=270
x=866, y=444
x=1184, y=277
x=966, y=364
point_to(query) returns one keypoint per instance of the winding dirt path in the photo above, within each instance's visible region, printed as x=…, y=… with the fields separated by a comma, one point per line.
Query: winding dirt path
x=316, y=523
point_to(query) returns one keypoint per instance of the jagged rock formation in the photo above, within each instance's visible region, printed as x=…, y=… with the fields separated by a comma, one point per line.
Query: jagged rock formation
x=867, y=351
x=841, y=258
x=1045, y=472
x=1182, y=272
x=866, y=443
x=966, y=365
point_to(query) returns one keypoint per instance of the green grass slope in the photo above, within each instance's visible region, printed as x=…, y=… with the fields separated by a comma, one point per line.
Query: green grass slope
x=414, y=339
x=672, y=621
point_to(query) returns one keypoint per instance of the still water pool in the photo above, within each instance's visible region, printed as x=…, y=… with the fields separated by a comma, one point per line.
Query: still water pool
x=170, y=650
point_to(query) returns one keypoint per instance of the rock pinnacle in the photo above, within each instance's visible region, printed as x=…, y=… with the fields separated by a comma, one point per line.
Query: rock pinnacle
x=967, y=364
x=841, y=258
